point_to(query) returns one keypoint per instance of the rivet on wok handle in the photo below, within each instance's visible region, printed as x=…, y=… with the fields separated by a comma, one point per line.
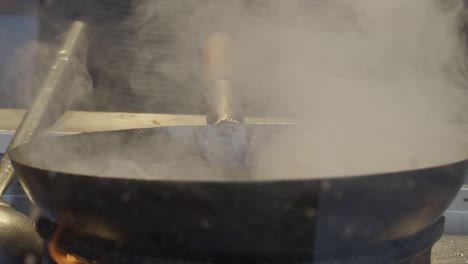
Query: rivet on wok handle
x=220, y=98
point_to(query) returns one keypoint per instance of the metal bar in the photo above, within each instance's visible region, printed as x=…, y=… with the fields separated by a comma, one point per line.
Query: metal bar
x=50, y=103
x=85, y=121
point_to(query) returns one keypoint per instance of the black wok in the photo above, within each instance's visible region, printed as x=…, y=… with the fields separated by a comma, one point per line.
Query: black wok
x=205, y=216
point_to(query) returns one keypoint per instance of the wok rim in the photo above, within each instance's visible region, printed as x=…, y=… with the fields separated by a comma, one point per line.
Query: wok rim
x=16, y=159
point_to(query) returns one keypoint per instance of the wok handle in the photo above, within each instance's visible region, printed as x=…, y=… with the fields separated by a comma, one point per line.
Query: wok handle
x=52, y=99
x=220, y=98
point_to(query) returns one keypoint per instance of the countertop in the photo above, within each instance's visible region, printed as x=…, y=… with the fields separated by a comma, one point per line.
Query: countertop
x=451, y=250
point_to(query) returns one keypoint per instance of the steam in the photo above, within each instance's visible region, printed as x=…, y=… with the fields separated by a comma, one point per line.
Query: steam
x=375, y=85
x=21, y=80
x=320, y=60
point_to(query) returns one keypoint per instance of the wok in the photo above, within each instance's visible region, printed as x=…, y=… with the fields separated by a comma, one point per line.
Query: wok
x=201, y=215
x=205, y=192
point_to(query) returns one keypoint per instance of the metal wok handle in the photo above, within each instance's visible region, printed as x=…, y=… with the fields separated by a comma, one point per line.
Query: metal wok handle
x=220, y=98
x=52, y=100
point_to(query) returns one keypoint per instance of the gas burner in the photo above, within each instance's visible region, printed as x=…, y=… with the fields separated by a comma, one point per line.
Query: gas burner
x=415, y=249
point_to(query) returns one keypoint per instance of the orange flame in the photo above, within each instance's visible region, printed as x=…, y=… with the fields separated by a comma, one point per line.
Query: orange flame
x=59, y=256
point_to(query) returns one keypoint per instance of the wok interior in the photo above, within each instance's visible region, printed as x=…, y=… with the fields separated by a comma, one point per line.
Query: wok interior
x=268, y=152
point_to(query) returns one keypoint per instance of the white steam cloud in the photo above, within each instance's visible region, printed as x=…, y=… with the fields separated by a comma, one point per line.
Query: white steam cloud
x=375, y=85
x=378, y=84
x=334, y=59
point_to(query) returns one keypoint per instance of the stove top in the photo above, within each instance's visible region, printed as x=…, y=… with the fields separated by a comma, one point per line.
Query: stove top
x=415, y=249
x=450, y=249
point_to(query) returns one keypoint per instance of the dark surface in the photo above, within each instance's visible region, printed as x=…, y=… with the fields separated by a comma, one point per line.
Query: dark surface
x=411, y=250
x=267, y=219
x=18, y=7
x=448, y=250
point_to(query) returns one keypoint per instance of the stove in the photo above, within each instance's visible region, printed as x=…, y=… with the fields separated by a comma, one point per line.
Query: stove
x=415, y=249
x=419, y=249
